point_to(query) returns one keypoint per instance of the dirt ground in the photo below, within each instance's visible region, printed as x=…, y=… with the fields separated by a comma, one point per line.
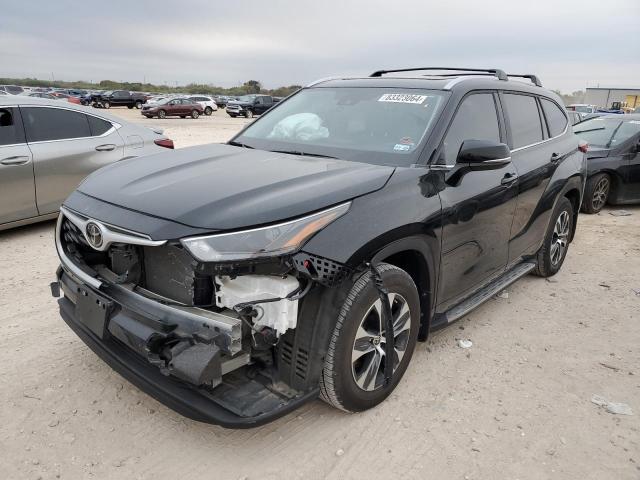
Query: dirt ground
x=516, y=405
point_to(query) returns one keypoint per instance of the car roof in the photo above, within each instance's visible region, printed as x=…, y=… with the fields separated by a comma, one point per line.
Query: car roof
x=447, y=83
x=7, y=101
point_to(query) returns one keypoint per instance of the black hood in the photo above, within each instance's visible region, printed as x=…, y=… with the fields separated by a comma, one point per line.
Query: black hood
x=222, y=187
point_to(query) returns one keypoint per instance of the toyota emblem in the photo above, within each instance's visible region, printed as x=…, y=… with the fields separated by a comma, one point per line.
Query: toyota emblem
x=94, y=234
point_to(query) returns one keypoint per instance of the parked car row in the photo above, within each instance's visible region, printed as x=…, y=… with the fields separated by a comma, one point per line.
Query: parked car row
x=48, y=147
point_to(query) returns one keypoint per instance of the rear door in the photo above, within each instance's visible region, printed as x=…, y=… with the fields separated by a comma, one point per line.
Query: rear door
x=67, y=145
x=17, y=189
x=629, y=135
x=538, y=147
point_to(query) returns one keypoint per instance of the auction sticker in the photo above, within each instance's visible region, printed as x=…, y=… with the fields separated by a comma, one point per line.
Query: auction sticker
x=403, y=98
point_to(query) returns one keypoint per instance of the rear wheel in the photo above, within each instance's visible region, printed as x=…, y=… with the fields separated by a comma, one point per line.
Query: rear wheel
x=195, y=114
x=596, y=193
x=130, y=107
x=162, y=114
x=353, y=375
x=556, y=242
x=208, y=111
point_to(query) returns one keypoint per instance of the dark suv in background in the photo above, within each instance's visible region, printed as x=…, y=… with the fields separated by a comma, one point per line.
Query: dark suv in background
x=307, y=256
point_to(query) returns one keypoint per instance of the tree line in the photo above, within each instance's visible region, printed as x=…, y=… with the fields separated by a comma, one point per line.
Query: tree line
x=250, y=86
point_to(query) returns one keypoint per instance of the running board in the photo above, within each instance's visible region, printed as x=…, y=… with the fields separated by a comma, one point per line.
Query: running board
x=488, y=291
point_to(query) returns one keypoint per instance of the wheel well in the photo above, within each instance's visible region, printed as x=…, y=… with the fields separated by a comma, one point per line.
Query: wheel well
x=414, y=263
x=574, y=197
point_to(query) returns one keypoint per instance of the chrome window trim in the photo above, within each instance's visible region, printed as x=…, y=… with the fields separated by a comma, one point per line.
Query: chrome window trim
x=115, y=126
x=566, y=128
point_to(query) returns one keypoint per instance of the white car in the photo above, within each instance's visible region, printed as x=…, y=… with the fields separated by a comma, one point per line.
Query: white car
x=208, y=103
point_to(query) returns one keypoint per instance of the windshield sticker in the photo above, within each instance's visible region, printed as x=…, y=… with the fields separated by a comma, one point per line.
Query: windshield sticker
x=401, y=148
x=403, y=98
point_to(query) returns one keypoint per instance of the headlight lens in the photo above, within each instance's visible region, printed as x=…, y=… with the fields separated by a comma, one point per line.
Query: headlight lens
x=269, y=241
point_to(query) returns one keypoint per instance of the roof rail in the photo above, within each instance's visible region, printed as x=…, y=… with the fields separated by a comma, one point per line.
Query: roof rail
x=535, y=80
x=500, y=74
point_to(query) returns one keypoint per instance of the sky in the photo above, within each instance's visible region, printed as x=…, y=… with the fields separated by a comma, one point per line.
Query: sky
x=569, y=44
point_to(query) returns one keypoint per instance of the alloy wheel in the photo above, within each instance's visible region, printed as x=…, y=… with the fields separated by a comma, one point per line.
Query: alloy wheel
x=560, y=237
x=368, y=354
x=600, y=193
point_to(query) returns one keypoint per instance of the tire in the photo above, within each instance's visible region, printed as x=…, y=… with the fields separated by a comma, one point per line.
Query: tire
x=183, y=116
x=106, y=104
x=139, y=105
x=130, y=107
x=550, y=259
x=248, y=114
x=208, y=111
x=195, y=114
x=596, y=193
x=358, y=315
x=162, y=114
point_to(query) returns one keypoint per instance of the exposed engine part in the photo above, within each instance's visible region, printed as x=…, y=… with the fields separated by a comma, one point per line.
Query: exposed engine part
x=125, y=262
x=275, y=311
x=171, y=272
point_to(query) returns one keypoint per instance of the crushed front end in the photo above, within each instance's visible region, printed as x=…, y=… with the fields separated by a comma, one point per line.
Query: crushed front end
x=235, y=342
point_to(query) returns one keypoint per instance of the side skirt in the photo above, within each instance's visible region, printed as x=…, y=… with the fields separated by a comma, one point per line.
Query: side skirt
x=482, y=295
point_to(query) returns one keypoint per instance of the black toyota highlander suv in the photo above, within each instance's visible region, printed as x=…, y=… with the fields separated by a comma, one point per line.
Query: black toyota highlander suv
x=307, y=255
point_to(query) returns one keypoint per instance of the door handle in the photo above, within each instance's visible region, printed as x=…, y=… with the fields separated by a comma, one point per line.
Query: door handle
x=555, y=157
x=107, y=147
x=509, y=178
x=16, y=160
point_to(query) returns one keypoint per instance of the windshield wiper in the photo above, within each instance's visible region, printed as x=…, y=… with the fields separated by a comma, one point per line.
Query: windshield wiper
x=589, y=130
x=303, y=154
x=237, y=144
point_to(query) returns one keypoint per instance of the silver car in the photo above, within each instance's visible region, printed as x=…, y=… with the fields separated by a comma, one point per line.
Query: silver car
x=48, y=147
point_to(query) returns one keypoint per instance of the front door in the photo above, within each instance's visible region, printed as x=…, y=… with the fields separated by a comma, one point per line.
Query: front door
x=477, y=206
x=17, y=190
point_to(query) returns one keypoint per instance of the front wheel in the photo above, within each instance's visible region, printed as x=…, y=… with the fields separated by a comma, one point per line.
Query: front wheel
x=248, y=114
x=596, y=193
x=556, y=241
x=195, y=114
x=138, y=104
x=106, y=104
x=353, y=377
x=162, y=114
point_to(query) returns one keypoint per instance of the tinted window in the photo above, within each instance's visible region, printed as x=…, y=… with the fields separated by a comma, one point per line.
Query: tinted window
x=97, y=125
x=54, y=124
x=524, y=119
x=476, y=119
x=556, y=120
x=10, y=130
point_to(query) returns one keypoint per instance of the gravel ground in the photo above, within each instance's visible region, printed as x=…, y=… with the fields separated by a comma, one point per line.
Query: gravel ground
x=516, y=405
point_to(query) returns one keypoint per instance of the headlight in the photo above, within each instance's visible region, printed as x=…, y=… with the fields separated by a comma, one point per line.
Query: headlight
x=269, y=241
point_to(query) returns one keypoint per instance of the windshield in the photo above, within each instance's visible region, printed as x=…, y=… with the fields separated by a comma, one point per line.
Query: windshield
x=383, y=126
x=607, y=132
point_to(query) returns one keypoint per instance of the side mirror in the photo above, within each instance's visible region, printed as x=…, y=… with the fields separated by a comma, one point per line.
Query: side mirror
x=484, y=154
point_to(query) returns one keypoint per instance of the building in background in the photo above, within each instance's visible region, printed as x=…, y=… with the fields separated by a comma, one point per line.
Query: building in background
x=606, y=97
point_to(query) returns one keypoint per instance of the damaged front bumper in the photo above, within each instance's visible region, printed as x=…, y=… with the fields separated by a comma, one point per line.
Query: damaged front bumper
x=240, y=400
